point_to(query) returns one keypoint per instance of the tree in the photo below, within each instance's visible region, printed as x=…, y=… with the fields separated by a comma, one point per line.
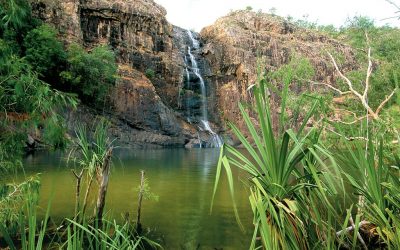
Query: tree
x=25, y=100
x=90, y=75
x=45, y=52
x=13, y=13
x=272, y=11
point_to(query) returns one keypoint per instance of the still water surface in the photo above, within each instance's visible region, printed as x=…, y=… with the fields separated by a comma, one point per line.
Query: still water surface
x=183, y=180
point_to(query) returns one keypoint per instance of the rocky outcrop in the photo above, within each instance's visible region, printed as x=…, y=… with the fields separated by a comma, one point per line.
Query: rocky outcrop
x=137, y=31
x=150, y=103
x=144, y=42
x=233, y=44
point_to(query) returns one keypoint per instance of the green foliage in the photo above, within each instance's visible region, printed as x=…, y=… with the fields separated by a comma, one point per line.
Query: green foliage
x=249, y=8
x=290, y=84
x=44, y=52
x=376, y=181
x=150, y=74
x=362, y=33
x=91, y=75
x=272, y=11
x=13, y=13
x=55, y=131
x=32, y=233
x=147, y=194
x=14, y=199
x=15, y=22
x=30, y=60
x=23, y=94
x=91, y=149
x=85, y=236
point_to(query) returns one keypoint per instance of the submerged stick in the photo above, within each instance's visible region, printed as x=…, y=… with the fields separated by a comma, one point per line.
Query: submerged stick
x=78, y=190
x=87, y=195
x=139, y=210
x=101, y=199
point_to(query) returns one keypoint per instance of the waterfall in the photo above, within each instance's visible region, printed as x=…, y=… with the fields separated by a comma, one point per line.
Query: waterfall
x=196, y=71
x=216, y=140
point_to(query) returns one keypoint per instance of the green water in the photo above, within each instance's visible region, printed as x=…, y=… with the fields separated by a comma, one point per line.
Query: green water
x=183, y=180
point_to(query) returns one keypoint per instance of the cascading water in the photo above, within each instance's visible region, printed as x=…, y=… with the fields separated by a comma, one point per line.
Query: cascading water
x=216, y=140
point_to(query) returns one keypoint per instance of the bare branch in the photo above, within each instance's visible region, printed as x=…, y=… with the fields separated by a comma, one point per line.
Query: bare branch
x=347, y=80
x=351, y=228
x=393, y=3
x=362, y=98
x=347, y=138
x=379, y=109
x=347, y=111
x=350, y=123
x=358, y=234
x=369, y=72
x=331, y=87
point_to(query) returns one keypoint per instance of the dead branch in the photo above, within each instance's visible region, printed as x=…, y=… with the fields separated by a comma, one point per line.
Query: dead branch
x=351, y=228
x=331, y=87
x=363, y=98
x=348, y=138
x=78, y=190
x=379, y=109
x=358, y=234
x=354, y=92
x=394, y=4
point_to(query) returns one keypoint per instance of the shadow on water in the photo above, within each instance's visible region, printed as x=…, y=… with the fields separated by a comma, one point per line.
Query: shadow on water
x=183, y=180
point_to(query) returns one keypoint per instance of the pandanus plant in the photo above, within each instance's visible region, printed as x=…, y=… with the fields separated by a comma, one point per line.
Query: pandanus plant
x=284, y=180
x=94, y=158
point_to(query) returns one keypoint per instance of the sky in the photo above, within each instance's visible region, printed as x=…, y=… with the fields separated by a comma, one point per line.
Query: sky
x=196, y=14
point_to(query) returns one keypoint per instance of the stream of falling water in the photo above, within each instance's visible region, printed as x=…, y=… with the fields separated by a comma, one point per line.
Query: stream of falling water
x=216, y=140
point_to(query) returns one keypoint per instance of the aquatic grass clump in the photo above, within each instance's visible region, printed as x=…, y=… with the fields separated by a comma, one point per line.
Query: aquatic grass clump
x=42, y=234
x=110, y=235
x=289, y=173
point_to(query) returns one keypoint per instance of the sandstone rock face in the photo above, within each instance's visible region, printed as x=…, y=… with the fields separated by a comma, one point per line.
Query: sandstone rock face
x=143, y=41
x=233, y=44
x=64, y=15
x=155, y=97
x=137, y=103
x=140, y=36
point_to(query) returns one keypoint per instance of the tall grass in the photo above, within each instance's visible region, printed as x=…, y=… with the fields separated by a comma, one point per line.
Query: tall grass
x=377, y=181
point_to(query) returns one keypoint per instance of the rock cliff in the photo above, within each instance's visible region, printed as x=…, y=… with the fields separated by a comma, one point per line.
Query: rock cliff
x=234, y=42
x=152, y=109
x=143, y=41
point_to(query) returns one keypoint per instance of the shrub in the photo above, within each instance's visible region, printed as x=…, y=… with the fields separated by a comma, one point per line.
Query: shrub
x=90, y=75
x=150, y=73
x=249, y=8
x=45, y=52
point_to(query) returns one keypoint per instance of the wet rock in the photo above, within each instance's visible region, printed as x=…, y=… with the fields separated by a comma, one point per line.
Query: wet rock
x=195, y=143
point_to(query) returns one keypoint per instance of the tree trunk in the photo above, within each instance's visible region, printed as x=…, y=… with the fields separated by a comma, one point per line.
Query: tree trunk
x=139, y=210
x=101, y=198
